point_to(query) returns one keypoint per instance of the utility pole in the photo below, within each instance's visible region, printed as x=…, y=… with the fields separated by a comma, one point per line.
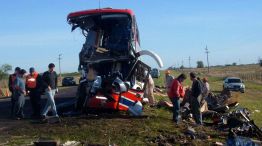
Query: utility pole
x=189, y=63
x=239, y=62
x=182, y=65
x=59, y=59
x=207, y=52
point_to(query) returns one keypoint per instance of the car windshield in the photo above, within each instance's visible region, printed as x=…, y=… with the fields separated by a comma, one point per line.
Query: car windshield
x=107, y=35
x=68, y=78
x=234, y=81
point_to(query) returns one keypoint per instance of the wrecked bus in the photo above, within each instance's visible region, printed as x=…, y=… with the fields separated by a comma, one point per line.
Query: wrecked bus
x=113, y=76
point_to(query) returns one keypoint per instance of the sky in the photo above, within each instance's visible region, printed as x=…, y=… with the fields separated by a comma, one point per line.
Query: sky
x=33, y=33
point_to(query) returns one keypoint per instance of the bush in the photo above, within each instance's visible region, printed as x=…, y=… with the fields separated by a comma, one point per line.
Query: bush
x=200, y=64
x=260, y=62
x=4, y=69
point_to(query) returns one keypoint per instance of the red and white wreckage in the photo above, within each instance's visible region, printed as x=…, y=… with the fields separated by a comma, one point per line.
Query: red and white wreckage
x=113, y=76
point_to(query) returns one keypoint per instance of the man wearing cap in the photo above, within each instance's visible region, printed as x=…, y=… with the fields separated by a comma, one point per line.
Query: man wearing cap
x=19, y=94
x=11, y=85
x=33, y=88
x=196, y=98
x=206, y=88
x=50, y=86
x=168, y=80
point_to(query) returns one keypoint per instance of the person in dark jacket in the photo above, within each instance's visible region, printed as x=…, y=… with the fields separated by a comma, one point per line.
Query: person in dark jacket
x=196, y=98
x=34, y=89
x=11, y=85
x=50, y=85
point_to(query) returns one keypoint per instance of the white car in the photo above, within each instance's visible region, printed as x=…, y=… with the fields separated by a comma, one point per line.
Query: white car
x=234, y=84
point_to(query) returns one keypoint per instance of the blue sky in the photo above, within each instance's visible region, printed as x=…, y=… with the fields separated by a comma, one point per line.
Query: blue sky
x=33, y=33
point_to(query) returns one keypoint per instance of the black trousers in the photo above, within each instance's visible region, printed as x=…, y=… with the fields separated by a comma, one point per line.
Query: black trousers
x=12, y=104
x=35, y=99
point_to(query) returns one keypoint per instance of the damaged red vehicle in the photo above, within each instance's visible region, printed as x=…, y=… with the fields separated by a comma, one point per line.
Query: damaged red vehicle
x=113, y=76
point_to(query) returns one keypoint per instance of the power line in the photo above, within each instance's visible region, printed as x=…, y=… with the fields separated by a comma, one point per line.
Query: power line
x=189, y=62
x=99, y=4
x=207, y=52
x=182, y=66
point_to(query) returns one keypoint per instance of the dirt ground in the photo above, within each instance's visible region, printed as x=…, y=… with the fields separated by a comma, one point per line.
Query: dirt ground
x=118, y=127
x=155, y=127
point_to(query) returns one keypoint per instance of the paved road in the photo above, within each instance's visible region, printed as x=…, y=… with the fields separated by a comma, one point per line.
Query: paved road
x=65, y=94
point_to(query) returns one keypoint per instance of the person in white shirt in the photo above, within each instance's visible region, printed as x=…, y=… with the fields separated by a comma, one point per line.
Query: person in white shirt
x=206, y=87
x=168, y=80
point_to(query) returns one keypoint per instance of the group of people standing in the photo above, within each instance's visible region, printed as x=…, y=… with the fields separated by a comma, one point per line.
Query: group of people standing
x=34, y=85
x=176, y=91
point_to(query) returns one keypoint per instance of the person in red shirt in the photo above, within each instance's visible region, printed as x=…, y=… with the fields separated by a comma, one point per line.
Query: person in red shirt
x=175, y=93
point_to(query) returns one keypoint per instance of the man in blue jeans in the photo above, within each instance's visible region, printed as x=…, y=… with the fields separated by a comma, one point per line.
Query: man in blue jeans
x=50, y=84
x=19, y=94
x=175, y=93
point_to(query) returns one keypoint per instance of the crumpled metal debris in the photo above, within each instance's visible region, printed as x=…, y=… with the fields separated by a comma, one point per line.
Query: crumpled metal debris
x=71, y=143
x=220, y=102
x=240, y=124
x=242, y=141
x=191, y=132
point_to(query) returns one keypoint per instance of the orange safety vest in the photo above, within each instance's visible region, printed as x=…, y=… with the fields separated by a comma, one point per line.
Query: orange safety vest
x=31, y=80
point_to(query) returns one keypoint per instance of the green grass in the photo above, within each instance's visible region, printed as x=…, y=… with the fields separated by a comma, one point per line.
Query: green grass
x=121, y=131
x=128, y=131
x=251, y=99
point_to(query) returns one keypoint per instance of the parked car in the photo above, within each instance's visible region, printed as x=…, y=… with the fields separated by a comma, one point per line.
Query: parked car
x=68, y=81
x=155, y=73
x=234, y=84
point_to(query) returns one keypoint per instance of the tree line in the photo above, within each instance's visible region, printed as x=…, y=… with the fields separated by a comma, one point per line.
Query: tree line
x=4, y=69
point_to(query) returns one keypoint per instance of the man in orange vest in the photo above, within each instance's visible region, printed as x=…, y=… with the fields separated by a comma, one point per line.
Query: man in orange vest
x=11, y=85
x=33, y=88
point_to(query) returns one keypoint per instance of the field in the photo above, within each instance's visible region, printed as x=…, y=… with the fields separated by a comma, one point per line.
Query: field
x=251, y=99
x=154, y=128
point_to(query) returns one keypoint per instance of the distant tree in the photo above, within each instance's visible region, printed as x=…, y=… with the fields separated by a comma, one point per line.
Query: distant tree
x=234, y=64
x=200, y=64
x=182, y=67
x=260, y=62
x=4, y=69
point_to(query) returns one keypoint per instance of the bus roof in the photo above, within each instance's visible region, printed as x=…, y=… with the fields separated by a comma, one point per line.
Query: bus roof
x=95, y=11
